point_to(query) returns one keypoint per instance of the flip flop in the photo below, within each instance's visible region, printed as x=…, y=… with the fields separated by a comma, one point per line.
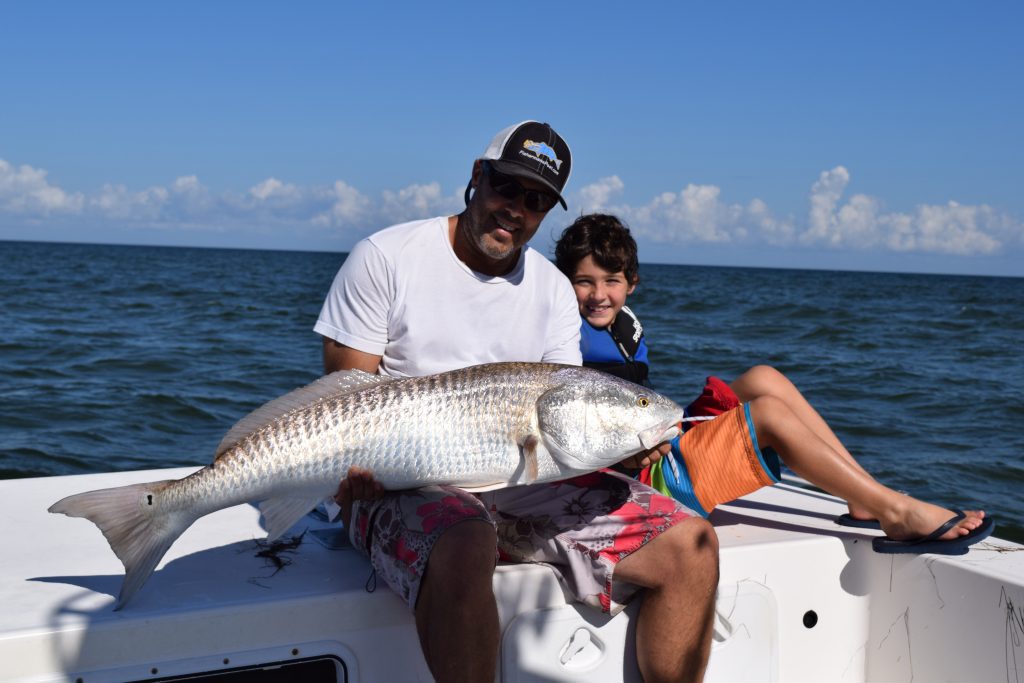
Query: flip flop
x=846, y=519
x=931, y=544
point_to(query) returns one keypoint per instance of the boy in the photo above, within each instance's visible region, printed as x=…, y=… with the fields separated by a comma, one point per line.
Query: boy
x=599, y=256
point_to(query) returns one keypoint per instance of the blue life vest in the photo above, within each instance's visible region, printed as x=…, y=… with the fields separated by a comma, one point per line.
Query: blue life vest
x=619, y=349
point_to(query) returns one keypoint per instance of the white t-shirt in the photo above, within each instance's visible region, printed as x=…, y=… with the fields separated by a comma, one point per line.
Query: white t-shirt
x=402, y=294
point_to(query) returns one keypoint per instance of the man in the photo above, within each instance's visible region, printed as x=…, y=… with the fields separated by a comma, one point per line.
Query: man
x=450, y=292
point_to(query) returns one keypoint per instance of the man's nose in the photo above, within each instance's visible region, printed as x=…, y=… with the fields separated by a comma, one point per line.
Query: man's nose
x=517, y=206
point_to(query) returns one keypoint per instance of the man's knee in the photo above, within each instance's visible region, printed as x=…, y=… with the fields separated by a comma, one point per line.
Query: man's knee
x=699, y=536
x=695, y=545
x=685, y=564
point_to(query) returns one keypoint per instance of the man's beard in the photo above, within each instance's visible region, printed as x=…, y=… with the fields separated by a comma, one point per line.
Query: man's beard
x=489, y=247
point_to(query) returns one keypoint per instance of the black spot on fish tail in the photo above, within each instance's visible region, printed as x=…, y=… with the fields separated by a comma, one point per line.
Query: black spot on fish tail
x=138, y=536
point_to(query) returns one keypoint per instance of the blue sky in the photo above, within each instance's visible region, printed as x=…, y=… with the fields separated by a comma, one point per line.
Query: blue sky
x=869, y=136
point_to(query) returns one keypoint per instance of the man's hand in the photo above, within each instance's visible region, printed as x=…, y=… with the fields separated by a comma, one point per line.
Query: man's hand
x=358, y=484
x=645, y=458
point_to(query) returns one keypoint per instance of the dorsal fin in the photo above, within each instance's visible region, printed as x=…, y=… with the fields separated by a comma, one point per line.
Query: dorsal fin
x=332, y=385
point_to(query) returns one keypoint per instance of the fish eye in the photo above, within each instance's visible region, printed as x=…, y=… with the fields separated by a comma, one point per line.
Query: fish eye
x=643, y=402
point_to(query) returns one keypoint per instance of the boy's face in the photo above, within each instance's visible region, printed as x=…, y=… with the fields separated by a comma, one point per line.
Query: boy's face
x=600, y=293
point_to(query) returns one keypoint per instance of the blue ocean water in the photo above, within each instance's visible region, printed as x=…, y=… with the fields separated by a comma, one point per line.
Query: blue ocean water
x=117, y=358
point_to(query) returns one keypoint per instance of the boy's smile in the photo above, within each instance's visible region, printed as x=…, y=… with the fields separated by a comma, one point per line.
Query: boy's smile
x=601, y=294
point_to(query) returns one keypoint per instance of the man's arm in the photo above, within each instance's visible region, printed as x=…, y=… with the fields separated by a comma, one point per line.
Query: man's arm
x=358, y=483
x=337, y=356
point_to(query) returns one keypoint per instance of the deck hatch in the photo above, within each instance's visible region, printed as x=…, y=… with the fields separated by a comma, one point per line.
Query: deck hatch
x=322, y=669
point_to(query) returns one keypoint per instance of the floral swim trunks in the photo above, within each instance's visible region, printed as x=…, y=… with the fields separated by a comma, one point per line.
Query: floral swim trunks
x=582, y=527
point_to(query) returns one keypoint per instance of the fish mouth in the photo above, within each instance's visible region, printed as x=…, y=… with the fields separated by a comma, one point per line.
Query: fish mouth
x=649, y=438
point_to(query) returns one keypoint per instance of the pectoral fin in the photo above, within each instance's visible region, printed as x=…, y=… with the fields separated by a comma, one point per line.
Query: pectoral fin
x=530, y=468
x=281, y=514
x=529, y=448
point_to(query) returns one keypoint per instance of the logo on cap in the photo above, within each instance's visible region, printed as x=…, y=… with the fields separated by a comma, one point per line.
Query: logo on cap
x=540, y=151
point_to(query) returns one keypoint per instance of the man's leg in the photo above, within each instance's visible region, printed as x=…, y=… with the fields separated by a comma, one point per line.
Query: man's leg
x=679, y=569
x=456, y=612
x=435, y=547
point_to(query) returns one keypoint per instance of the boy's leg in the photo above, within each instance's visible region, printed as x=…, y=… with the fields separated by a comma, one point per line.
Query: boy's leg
x=764, y=380
x=679, y=569
x=803, y=451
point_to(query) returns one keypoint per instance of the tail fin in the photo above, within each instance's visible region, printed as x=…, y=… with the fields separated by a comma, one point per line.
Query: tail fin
x=138, y=531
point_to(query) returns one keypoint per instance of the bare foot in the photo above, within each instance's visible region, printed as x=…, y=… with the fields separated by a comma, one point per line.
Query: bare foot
x=918, y=519
x=861, y=513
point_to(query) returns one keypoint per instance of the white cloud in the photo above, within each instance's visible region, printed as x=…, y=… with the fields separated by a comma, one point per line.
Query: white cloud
x=596, y=196
x=273, y=189
x=188, y=185
x=825, y=194
x=769, y=228
x=418, y=201
x=115, y=201
x=695, y=214
x=348, y=206
x=698, y=214
x=860, y=223
x=25, y=190
x=184, y=200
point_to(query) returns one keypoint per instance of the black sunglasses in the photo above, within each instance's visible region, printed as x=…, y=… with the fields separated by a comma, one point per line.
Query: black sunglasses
x=509, y=188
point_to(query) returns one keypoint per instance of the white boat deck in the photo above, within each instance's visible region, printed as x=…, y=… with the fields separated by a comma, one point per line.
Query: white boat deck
x=800, y=599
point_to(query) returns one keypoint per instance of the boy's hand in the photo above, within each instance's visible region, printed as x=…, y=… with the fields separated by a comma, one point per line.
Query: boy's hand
x=647, y=458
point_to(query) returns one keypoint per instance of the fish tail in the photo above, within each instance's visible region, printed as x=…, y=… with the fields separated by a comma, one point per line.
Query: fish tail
x=139, y=531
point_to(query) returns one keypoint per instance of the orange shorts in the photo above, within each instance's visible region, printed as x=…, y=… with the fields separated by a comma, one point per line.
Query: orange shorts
x=716, y=462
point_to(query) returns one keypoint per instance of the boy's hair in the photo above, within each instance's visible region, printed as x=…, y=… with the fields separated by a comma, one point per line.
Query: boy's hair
x=602, y=237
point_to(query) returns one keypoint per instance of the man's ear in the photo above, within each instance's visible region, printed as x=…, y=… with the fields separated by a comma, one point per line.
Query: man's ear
x=477, y=175
x=474, y=179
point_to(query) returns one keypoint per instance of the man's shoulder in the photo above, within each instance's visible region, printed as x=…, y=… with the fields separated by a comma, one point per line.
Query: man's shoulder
x=541, y=265
x=397, y=236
